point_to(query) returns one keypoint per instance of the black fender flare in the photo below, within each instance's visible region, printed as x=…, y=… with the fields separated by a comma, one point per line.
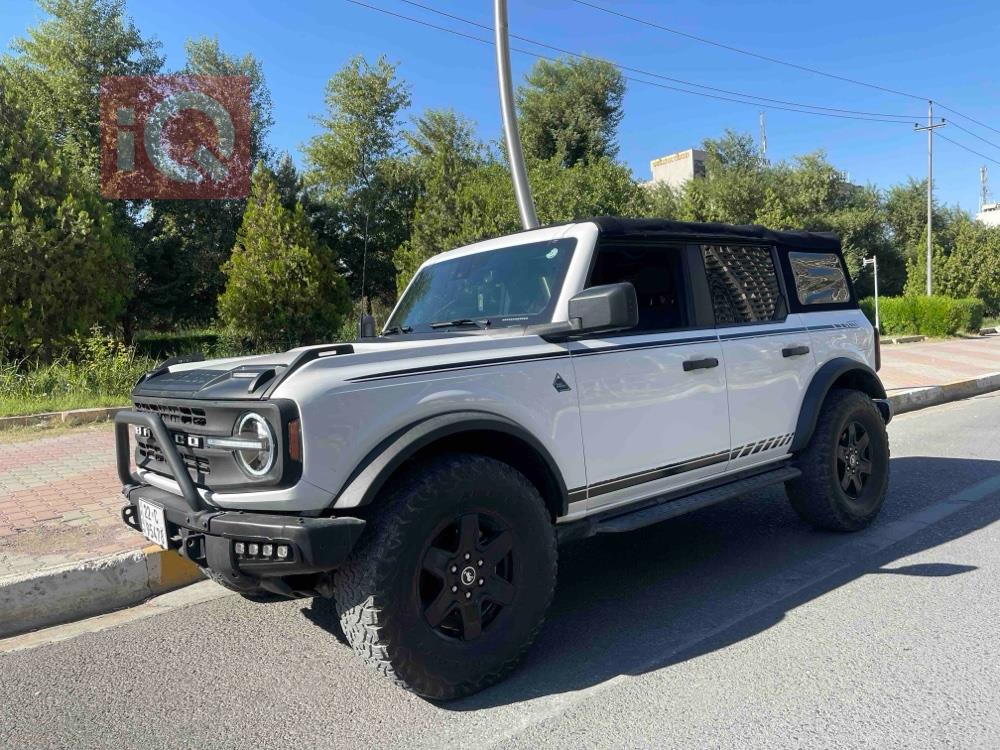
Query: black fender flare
x=860, y=375
x=371, y=474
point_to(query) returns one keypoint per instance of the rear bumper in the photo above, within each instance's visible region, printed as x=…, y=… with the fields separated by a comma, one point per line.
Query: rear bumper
x=209, y=537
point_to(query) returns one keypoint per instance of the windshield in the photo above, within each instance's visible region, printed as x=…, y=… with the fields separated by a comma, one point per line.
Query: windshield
x=509, y=286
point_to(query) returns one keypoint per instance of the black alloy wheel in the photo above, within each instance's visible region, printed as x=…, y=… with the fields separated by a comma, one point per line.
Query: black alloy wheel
x=467, y=576
x=854, y=459
x=449, y=584
x=845, y=465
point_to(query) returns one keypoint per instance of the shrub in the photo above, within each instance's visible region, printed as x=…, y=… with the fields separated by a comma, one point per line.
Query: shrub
x=930, y=316
x=95, y=370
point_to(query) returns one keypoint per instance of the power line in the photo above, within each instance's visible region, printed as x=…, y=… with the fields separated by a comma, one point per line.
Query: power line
x=795, y=107
x=759, y=56
x=767, y=58
x=966, y=130
x=971, y=151
x=966, y=117
x=654, y=74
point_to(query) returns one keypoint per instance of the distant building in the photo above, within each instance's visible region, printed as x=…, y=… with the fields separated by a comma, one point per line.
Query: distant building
x=990, y=215
x=676, y=169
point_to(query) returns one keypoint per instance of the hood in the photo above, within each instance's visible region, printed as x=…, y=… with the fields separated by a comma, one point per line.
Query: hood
x=256, y=377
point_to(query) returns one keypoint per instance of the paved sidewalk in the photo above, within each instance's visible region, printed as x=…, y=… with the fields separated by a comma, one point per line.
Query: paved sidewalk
x=919, y=365
x=60, y=495
x=60, y=499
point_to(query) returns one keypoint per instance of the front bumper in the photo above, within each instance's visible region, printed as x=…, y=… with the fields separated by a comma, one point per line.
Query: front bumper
x=208, y=535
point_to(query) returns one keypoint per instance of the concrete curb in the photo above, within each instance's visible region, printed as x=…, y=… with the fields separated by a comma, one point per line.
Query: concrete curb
x=902, y=339
x=71, y=417
x=91, y=587
x=921, y=398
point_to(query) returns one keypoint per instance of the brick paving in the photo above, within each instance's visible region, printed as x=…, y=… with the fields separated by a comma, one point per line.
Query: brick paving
x=60, y=497
x=928, y=363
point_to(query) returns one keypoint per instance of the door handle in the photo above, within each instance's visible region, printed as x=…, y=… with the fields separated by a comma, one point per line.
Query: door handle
x=701, y=364
x=794, y=351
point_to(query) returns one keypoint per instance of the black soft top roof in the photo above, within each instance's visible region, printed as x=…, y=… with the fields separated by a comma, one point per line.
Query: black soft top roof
x=612, y=226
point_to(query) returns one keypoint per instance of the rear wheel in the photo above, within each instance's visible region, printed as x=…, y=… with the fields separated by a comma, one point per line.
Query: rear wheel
x=450, y=585
x=845, y=467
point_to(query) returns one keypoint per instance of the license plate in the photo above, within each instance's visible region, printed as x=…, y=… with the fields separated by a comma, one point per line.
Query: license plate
x=153, y=522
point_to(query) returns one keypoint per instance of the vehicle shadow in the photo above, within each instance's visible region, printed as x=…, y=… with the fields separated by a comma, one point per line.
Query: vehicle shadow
x=627, y=604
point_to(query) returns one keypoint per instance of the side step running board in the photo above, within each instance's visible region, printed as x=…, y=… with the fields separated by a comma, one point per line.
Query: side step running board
x=666, y=508
x=672, y=508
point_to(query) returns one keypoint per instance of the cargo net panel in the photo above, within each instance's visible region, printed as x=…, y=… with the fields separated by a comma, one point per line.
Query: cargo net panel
x=743, y=283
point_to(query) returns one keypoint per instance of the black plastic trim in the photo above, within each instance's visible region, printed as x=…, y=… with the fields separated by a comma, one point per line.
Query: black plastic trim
x=820, y=386
x=317, y=544
x=364, y=484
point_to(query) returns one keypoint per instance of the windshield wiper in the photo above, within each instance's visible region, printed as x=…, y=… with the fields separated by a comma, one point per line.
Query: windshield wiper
x=460, y=322
x=393, y=330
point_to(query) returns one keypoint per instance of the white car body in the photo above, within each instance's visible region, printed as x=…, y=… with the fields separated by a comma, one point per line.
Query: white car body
x=632, y=425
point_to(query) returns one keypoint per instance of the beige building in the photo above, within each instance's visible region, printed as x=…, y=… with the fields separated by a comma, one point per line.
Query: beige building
x=676, y=169
x=990, y=215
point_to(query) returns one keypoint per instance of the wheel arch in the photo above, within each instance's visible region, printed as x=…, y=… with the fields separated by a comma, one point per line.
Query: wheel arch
x=841, y=372
x=482, y=433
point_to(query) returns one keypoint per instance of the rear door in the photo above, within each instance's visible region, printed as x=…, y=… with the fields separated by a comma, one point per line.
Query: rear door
x=652, y=399
x=767, y=350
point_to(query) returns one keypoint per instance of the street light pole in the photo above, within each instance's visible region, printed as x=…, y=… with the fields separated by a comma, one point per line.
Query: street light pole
x=873, y=261
x=930, y=128
x=522, y=191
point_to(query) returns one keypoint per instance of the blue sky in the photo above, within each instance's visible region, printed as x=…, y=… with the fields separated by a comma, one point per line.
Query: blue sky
x=947, y=52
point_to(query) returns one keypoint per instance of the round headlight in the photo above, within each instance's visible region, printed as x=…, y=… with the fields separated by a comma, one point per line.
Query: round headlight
x=259, y=460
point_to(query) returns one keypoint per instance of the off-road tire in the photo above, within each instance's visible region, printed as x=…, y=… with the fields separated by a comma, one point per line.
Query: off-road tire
x=817, y=495
x=260, y=596
x=379, y=589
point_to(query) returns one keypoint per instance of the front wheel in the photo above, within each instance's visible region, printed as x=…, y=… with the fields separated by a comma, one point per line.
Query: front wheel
x=450, y=585
x=845, y=466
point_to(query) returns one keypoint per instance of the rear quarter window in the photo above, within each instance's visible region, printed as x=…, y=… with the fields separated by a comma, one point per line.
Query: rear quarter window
x=819, y=278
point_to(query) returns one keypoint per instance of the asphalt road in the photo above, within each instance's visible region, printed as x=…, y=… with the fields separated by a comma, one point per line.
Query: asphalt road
x=732, y=627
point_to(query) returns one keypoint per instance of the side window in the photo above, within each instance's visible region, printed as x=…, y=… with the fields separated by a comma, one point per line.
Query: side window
x=819, y=278
x=655, y=272
x=743, y=283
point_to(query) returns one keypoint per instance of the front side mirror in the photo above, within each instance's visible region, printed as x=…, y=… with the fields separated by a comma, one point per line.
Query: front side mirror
x=611, y=307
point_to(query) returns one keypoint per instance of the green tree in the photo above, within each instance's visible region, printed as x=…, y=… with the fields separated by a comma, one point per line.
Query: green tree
x=62, y=266
x=59, y=65
x=355, y=165
x=282, y=286
x=570, y=109
x=445, y=154
x=971, y=268
x=182, y=245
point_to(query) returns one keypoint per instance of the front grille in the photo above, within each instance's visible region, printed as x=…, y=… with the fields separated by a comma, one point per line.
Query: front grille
x=175, y=414
x=150, y=452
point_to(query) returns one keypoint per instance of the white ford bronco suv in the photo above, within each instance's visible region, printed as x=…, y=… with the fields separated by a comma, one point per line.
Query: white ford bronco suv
x=587, y=378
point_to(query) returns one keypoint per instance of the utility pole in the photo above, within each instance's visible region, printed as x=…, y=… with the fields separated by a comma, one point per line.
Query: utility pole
x=763, y=140
x=930, y=128
x=522, y=191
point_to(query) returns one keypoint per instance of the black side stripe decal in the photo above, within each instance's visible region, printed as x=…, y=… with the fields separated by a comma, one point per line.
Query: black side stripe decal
x=631, y=480
x=639, y=345
x=450, y=366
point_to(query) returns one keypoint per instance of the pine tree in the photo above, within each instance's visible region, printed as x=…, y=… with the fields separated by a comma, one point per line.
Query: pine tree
x=282, y=286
